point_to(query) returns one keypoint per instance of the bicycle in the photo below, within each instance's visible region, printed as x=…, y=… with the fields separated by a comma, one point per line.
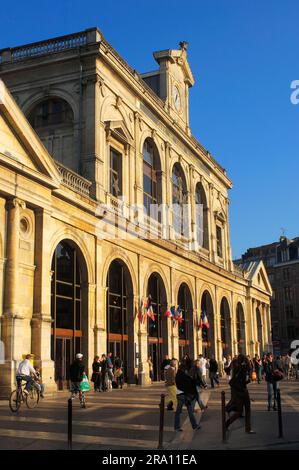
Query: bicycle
x=18, y=396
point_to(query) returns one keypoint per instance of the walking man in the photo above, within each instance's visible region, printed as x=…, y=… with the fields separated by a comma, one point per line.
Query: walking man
x=213, y=368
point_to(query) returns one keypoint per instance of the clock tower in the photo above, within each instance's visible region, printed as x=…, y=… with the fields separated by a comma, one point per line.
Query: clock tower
x=172, y=82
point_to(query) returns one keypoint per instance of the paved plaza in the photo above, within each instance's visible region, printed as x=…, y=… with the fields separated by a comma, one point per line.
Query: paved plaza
x=129, y=419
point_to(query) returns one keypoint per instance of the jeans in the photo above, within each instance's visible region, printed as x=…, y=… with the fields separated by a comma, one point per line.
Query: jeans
x=190, y=409
x=272, y=390
x=213, y=377
x=29, y=381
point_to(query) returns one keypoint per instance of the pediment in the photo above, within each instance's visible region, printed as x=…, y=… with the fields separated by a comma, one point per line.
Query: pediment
x=20, y=147
x=119, y=129
x=257, y=274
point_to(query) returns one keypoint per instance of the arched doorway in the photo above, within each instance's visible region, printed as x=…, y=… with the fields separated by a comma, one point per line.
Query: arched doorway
x=259, y=327
x=225, y=327
x=208, y=335
x=240, y=326
x=186, y=329
x=69, y=307
x=157, y=329
x=119, y=316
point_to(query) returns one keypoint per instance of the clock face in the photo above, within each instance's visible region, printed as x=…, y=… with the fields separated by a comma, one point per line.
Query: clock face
x=176, y=98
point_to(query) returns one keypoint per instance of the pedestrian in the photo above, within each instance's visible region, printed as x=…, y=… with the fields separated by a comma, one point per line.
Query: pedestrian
x=196, y=374
x=104, y=373
x=257, y=367
x=213, y=371
x=77, y=370
x=187, y=362
x=271, y=379
x=110, y=375
x=227, y=367
x=288, y=366
x=96, y=374
x=186, y=395
x=240, y=399
x=203, y=367
x=165, y=362
x=151, y=368
x=170, y=373
x=118, y=372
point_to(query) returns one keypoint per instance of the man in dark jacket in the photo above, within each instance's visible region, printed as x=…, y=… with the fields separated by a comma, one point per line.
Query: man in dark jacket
x=186, y=395
x=272, y=385
x=76, y=375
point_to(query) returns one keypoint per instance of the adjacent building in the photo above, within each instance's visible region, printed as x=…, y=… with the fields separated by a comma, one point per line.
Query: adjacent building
x=108, y=204
x=281, y=260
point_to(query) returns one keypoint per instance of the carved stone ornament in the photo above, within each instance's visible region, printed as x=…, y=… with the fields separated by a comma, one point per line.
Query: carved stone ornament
x=118, y=102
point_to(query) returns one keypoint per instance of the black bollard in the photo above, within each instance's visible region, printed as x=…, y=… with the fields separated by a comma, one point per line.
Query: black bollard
x=70, y=423
x=223, y=416
x=280, y=431
x=161, y=427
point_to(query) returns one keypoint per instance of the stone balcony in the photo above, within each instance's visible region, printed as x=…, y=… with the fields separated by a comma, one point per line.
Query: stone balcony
x=74, y=181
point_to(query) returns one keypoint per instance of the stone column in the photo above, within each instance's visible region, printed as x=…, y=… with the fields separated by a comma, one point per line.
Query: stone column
x=41, y=322
x=12, y=322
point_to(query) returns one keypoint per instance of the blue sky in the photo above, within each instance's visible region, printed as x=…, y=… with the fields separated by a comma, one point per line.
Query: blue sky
x=244, y=56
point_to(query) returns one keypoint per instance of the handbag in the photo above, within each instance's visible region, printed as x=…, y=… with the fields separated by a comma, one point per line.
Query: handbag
x=277, y=375
x=84, y=384
x=253, y=376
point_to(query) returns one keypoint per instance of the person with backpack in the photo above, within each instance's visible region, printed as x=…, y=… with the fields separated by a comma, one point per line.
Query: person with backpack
x=272, y=377
x=77, y=370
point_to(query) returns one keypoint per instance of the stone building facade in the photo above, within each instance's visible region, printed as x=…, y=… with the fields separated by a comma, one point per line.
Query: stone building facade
x=281, y=260
x=87, y=147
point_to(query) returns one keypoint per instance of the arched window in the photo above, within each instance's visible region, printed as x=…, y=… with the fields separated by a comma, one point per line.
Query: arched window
x=186, y=326
x=240, y=326
x=202, y=232
x=179, y=201
x=208, y=335
x=152, y=192
x=225, y=326
x=53, y=121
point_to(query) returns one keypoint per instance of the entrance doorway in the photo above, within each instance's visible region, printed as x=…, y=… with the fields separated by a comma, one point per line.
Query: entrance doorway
x=66, y=311
x=120, y=317
x=157, y=328
x=186, y=332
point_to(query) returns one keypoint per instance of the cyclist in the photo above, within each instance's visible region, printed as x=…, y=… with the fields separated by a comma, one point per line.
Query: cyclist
x=77, y=370
x=27, y=373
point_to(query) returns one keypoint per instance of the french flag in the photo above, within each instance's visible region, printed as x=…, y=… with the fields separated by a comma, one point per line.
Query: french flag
x=204, y=320
x=149, y=308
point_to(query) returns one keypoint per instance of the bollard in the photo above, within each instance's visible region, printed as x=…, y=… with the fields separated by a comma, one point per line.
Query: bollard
x=280, y=432
x=161, y=427
x=70, y=423
x=223, y=416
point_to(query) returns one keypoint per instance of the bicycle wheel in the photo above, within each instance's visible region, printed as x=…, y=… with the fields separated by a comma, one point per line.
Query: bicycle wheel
x=32, y=398
x=15, y=401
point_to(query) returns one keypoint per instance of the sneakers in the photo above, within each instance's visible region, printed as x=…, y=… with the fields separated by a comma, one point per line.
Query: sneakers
x=250, y=432
x=179, y=430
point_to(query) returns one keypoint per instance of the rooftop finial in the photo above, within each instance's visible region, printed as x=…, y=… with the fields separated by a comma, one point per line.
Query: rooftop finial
x=184, y=45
